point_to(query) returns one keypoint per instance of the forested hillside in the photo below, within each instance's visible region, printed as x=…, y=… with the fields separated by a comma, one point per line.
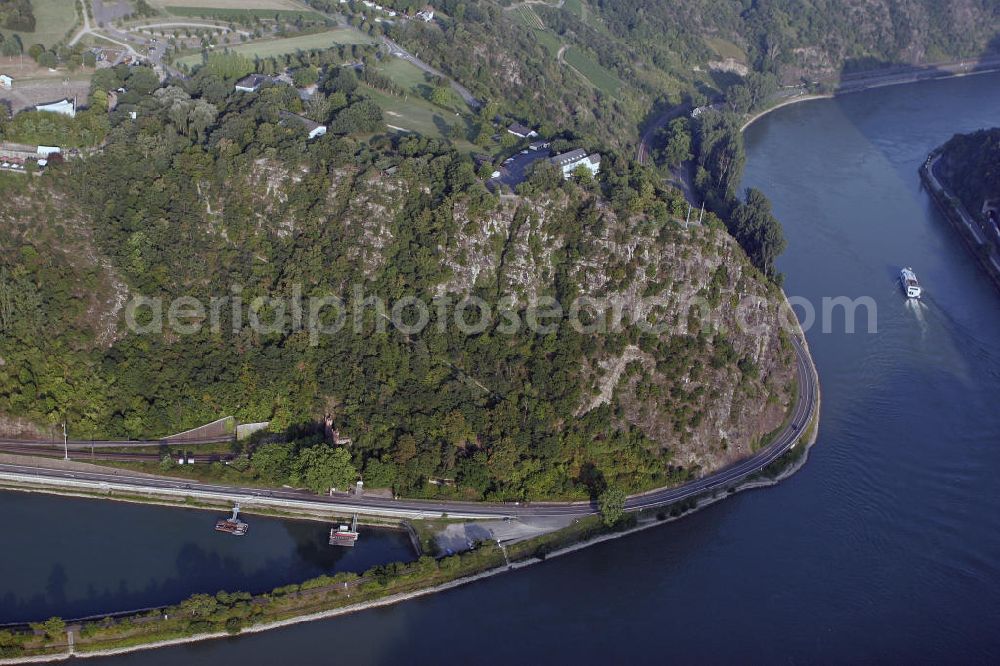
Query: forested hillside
x=970, y=167
x=208, y=196
x=599, y=65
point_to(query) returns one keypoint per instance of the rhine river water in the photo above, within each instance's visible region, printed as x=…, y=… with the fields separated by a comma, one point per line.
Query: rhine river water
x=81, y=557
x=885, y=546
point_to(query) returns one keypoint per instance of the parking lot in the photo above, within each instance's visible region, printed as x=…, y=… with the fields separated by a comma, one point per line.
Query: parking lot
x=514, y=170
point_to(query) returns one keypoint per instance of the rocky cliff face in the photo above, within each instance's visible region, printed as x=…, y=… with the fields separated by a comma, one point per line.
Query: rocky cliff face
x=709, y=386
x=705, y=388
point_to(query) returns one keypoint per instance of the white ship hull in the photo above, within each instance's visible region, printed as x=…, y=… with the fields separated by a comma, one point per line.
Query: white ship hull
x=911, y=287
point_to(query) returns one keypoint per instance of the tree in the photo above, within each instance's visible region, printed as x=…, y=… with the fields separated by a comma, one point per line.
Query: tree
x=305, y=76
x=227, y=66
x=678, y=143
x=11, y=46
x=364, y=116
x=48, y=59
x=54, y=627
x=321, y=467
x=442, y=95
x=380, y=474
x=752, y=93
x=722, y=156
x=341, y=79
x=200, y=605
x=611, y=504
x=272, y=462
x=142, y=80
x=756, y=229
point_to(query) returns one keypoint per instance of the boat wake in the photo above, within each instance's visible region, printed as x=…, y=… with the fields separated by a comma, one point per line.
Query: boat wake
x=919, y=310
x=966, y=337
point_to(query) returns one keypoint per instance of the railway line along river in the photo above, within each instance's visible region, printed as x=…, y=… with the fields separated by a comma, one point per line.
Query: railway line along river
x=886, y=545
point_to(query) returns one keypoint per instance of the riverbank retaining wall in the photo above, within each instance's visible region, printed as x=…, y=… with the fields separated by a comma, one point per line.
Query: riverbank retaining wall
x=967, y=228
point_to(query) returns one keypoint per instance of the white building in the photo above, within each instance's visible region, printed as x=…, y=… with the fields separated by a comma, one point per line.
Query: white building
x=574, y=159
x=522, y=132
x=426, y=14
x=64, y=106
x=6, y=82
x=313, y=128
x=251, y=83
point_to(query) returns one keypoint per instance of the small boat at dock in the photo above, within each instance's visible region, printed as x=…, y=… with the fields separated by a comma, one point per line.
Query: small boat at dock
x=344, y=535
x=232, y=525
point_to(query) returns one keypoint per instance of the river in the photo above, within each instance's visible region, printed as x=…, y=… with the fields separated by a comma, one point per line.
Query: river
x=885, y=546
x=80, y=557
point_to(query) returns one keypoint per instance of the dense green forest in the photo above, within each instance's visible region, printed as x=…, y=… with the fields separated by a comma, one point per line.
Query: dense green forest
x=598, y=67
x=970, y=167
x=208, y=193
x=17, y=15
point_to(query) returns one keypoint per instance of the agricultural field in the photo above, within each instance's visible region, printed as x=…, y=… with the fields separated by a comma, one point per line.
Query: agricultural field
x=274, y=47
x=53, y=19
x=528, y=17
x=525, y=15
x=600, y=77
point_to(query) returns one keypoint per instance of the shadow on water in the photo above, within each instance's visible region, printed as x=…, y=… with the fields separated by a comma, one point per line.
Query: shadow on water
x=107, y=573
x=858, y=73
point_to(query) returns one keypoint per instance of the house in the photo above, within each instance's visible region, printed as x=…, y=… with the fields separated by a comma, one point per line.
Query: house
x=6, y=82
x=522, y=132
x=574, y=159
x=64, y=106
x=426, y=14
x=539, y=145
x=311, y=126
x=251, y=83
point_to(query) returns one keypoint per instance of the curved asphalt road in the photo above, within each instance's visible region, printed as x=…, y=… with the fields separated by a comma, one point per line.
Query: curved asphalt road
x=802, y=413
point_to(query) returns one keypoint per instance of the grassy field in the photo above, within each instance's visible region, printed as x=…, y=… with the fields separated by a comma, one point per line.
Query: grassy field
x=273, y=47
x=594, y=72
x=53, y=19
x=726, y=49
x=404, y=73
x=415, y=82
x=549, y=40
x=575, y=7
x=416, y=115
x=235, y=13
x=229, y=4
